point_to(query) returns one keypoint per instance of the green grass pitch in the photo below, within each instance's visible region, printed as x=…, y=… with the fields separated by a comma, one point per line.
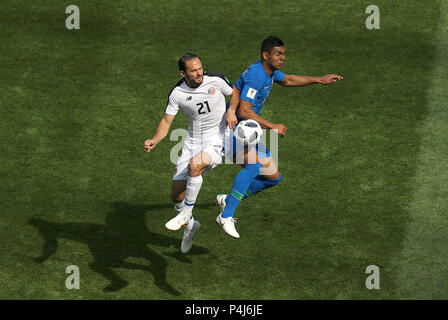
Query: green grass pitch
x=364, y=161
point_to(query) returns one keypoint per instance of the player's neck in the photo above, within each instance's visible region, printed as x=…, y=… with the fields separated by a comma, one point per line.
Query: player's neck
x=267, y=68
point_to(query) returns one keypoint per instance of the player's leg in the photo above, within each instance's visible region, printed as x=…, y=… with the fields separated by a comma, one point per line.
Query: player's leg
x=243, y=180
x=188, y=191
x=180, y=177
x=187, y=188
x=177, y=195
x=182, y=188
x=207, y=159
x=196, y=167
x=240, y=185
x=178, y=189
x=268, y=177
x=183, y=217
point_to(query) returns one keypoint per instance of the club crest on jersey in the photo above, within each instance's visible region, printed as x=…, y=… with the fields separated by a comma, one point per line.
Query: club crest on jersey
x=211, y=91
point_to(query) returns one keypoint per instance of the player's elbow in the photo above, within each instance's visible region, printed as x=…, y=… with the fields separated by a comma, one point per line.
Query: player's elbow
x=243, y=113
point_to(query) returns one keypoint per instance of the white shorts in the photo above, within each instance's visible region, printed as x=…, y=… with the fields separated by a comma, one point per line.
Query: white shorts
x=213, y=147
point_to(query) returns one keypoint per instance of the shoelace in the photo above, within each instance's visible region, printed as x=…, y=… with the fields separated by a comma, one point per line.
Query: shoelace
x=233, y=219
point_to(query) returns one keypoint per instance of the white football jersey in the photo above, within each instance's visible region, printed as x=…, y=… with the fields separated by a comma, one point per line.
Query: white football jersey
x=204, y=106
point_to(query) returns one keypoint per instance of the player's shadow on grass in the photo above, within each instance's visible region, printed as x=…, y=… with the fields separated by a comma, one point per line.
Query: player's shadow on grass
x=124, y=235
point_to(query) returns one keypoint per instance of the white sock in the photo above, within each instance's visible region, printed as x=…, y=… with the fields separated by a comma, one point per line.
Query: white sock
x=190, y=223
x=193, y=187
x=179, y=205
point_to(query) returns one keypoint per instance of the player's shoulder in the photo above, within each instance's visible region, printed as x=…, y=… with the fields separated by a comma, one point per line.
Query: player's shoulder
x=278, y=73
x=254, y=70
x=177, y=85
x=253, y=74
x=255, y=67
x=218, y=75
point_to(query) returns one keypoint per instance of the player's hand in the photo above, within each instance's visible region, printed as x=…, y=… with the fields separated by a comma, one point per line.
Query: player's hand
x=149, y=145
x=279, y=129
x=231, y=120
x=329, y=78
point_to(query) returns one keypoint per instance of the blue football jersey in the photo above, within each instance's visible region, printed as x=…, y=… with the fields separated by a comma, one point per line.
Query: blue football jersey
x=255, y=85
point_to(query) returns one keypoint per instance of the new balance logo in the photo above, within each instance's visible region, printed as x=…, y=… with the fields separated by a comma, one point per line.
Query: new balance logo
x=189, y=98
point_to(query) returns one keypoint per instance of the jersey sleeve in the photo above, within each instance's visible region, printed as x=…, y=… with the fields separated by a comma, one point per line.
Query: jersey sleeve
x=278, y=76
x=172, y=106
x=249, y=86
x=226, y=86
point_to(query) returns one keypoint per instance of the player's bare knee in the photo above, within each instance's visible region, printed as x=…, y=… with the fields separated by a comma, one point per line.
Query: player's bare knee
x=270, y=170
x=274, y=175
x=195, y=169
x=278, y=176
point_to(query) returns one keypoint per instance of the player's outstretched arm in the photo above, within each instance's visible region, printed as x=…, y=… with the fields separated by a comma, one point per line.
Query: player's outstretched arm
x=245, y=111
x=292, y=80
x=161, y=132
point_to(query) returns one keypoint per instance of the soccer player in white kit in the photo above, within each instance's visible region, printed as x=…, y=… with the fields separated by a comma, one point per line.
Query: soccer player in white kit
x=201, y=97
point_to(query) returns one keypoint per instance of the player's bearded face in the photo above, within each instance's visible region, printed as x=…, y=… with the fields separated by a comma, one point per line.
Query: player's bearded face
x=194, y=74
x=276, y=57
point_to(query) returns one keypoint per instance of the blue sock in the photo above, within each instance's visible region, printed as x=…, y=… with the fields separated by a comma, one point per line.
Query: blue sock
x=239, y=188
x=259, y=184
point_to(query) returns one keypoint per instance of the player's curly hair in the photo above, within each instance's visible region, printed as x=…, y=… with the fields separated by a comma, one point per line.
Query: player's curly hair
x=183, y=60
x=269, y=43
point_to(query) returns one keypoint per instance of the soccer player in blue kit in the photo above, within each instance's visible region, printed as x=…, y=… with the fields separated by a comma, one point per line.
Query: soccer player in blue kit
x=254, y=86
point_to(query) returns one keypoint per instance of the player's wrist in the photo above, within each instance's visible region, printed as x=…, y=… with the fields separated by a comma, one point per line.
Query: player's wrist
x=155, y=140
x=319, y=80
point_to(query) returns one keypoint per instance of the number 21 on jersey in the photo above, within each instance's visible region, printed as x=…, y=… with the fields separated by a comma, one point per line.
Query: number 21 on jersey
x=201, y=106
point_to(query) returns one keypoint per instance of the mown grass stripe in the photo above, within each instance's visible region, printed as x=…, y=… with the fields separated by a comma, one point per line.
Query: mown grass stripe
x=421, y=272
